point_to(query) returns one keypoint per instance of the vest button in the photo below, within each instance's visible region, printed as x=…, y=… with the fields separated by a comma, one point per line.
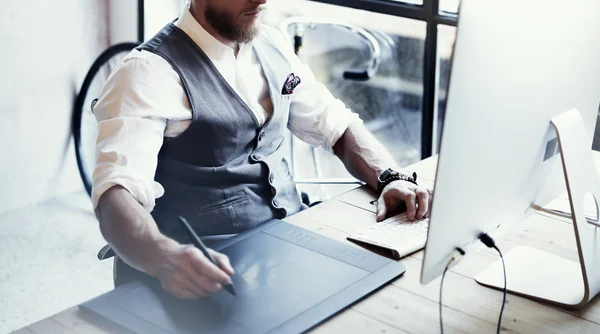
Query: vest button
x=256, y=157
x=283, y=213
x=271, y=178
x=261, y=136
x=275, y=203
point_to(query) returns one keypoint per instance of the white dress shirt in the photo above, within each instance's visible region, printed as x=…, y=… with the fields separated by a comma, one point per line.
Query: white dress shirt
x=144, y=101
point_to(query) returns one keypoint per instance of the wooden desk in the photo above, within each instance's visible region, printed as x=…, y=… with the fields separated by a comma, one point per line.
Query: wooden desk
x=406, y=306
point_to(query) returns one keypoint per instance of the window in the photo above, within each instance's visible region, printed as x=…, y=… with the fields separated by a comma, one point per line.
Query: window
x=445, y=47
x=449, y=6
x=158, y=13
x=389, y=102
x=432, y=22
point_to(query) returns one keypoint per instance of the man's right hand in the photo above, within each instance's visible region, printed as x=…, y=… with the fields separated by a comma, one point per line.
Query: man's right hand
x=183, y=270
x=186, y=273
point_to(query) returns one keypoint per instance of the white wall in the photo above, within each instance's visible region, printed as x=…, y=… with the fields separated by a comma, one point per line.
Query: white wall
x=46, y=48
x=123, y=18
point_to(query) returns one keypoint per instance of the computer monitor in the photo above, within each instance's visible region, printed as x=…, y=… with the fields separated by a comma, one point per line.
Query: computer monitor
x=516, y=65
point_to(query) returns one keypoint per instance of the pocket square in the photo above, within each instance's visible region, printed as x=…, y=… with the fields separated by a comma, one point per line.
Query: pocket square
x=290, y=84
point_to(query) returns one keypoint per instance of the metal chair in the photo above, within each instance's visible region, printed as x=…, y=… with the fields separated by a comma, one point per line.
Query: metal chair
x=300, y=25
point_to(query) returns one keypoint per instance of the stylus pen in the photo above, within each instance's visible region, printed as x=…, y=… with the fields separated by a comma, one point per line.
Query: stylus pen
x=200, y=245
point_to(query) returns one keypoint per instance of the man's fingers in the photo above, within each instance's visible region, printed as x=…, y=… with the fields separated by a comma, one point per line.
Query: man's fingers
x=381, y=208
x=430, y=200
x=204, y=267
x=423, y=200
x=199, y=283
x=180, y=291
x=392, y=198
x=418, y=202
x=410, y=198
x=195, y=274
x=223, y=262
x=187, y=279
x=208, y=285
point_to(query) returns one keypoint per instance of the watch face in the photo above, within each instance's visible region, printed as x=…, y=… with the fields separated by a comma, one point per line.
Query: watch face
x=387, y=173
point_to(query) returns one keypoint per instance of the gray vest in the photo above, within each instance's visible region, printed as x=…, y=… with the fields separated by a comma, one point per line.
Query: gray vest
x=225, y=173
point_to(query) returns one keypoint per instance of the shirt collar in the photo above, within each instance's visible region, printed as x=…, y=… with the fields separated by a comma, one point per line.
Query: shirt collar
x=213, y=48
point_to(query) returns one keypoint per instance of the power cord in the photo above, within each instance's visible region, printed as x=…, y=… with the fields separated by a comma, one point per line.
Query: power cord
x=489, y=242
x=458, y=253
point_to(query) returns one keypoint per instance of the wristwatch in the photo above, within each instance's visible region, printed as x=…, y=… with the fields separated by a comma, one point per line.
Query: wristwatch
x=390, y=175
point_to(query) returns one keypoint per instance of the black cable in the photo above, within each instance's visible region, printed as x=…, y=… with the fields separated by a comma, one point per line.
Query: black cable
x=489, y=242
x=504, y=297
x=441, y=288
x=459, y=252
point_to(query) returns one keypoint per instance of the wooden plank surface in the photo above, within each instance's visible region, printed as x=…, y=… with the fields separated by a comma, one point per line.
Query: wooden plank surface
x=24, y=330
x=406, y=306
x=351, y=321
x=478, y=302
x=81, y=321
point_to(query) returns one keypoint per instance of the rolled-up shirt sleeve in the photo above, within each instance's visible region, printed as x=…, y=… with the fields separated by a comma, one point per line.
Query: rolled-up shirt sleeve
x=316, y=116
x=130, y=132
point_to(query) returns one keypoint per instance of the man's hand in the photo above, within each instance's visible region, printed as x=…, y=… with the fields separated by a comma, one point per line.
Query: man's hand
x=417, y=199
x=183, y=270
x=366, y=158
x=186, y=273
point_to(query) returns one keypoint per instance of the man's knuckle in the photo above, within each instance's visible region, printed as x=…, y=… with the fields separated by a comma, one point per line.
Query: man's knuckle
x=182, y=263
x=186, y=255
x=190, y=252
x=403, y=192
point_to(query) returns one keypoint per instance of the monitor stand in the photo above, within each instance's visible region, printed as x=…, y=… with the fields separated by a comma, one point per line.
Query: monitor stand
x=546, y=277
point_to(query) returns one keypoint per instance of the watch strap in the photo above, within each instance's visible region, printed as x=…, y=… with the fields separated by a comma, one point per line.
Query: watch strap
x=390, y=175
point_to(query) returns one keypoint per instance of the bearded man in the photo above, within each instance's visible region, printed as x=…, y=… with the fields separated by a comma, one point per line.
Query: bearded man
x=192, y=124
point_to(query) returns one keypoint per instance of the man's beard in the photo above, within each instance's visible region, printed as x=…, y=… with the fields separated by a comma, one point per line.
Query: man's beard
x=223, y=24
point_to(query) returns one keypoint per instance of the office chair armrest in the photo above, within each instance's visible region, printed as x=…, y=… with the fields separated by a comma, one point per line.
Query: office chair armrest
x=320, y=181
x=325, y=180
x=106, y=252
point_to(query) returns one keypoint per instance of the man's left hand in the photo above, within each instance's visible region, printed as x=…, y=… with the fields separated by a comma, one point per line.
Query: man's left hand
x=417, y=199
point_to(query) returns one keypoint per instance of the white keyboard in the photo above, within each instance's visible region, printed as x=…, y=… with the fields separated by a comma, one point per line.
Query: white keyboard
x=396, y=234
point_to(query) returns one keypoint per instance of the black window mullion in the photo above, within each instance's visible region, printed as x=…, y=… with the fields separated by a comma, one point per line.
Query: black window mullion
x=382, y=6
x=431, y=8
